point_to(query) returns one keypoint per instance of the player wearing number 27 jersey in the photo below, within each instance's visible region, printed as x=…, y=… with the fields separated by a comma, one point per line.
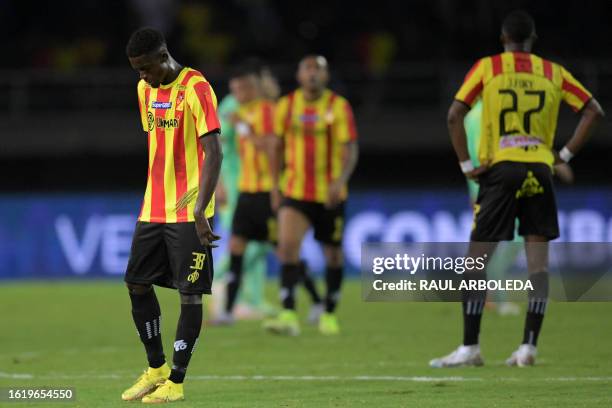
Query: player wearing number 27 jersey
x=522, y=94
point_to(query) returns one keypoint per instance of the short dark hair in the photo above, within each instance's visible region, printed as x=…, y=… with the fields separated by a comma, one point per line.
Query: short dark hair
x=242, y=71
x=251, y=66
x=144, y=41
x=519, y=26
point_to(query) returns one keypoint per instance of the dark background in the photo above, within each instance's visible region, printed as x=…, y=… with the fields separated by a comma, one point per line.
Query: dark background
x=68, y=105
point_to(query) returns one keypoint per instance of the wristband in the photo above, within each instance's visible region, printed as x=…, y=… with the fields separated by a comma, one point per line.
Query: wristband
x=565, y=154
x=466, y=166
x=243, y=128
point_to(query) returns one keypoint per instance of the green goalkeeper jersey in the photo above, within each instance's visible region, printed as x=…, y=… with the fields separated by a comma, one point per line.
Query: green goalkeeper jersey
x=472, y=130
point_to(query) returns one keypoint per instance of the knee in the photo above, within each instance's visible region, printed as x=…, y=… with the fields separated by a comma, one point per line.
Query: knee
x=334, y=258
x=138, y=289
x=237, y=245
x=190, y=299
x=288, y=252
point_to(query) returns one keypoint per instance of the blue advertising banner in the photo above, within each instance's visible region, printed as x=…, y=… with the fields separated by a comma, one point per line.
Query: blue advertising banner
x=89, y=235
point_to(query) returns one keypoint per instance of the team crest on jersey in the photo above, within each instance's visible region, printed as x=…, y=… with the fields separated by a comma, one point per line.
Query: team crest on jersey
x=329, y=117
x=180, y=101
x=309, y=118
x=161, y=105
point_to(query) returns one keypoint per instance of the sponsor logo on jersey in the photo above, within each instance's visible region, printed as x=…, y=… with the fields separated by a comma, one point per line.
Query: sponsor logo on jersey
x=150, y=121
x=309, y=118
x=166, y=123
x=161, y=105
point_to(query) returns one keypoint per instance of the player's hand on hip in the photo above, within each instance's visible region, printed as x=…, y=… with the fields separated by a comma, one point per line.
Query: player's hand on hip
x=477, y=172
x=205, y=234
x=564, y=172
x=334, y=195
x=275, y=199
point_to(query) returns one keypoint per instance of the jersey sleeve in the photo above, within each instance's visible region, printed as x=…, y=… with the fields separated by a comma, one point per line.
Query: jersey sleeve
x=572, y=91
x=202, y=102
x=142, y=105
x=267, y=116
x=472, y=85
x=346, y=130
x=280, y=116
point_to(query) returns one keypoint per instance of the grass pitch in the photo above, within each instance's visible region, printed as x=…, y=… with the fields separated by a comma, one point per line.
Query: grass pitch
x=80, y=334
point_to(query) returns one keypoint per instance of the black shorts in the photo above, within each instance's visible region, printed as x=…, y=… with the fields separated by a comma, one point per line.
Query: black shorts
x=254, y=219
x=328, y=223
x=511, y=190
x=170, y=255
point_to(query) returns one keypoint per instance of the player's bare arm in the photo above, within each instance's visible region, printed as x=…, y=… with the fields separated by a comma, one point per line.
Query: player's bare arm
x=591, y=114
x=456, y=115
x=350, y=156
x=209, y=178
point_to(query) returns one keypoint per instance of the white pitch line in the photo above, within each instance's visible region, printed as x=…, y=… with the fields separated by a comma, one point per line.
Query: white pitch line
x=426, y=379
x=16, y=376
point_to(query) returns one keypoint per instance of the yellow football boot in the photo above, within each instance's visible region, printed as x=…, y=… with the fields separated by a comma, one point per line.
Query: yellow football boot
x=285, y=324
x=166, y=392
x=146, y=383
x=328, y=324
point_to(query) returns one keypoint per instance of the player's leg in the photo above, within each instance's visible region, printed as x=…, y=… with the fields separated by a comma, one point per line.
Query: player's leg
x=263, y=232
x=497, y=269
x=329, y=228
x=536, y=249
x=187, y=334
x=334, y=274
x=237, y=246
x=293, y=224
x=242, y=227
x=494, y=215
x=147, y=265
x=317, y=307
x=260, y=227
x=192, y=270
x=538, y=224
x=253, y=283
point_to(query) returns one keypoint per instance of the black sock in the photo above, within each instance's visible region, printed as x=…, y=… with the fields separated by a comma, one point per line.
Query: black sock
x=290, y=274
x=147, y=317
x=333, y=278
x=309, y=283
x=187, y=333
x=234, y=278
x=472, y=306
x=536, y=308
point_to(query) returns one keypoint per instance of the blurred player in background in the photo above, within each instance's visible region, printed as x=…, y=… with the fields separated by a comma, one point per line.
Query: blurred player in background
x=173, y=237
x=317, y=139
x=252, y=293
x=521, y=94
x=252, y=87
x=253, y=218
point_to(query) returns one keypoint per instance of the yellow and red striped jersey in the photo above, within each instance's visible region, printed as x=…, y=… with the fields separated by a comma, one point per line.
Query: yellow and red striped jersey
x=175, y=115
x=521, y=95
x=257, y=118
x=314, y=134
